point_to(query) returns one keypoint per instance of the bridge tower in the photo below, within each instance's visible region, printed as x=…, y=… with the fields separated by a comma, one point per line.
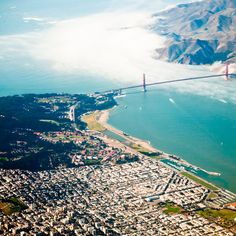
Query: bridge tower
x=227, y=71
x=144, y=83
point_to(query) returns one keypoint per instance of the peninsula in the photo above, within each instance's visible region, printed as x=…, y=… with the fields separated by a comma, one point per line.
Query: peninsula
x=61, y=176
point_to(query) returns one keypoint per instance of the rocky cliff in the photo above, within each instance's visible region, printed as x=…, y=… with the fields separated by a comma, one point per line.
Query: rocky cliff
x=201, y=32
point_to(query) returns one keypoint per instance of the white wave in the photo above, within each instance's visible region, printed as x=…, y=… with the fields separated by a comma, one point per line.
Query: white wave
x=33, y=19
x=120, y=96
x=172, y=100
x=222, y=100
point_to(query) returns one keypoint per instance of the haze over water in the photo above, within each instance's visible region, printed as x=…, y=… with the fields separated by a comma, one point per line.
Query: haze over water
x=86, y=46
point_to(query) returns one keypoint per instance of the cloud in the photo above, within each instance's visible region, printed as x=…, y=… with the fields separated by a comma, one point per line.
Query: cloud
x=115, y=46
x=33, y=19
x=39, y=20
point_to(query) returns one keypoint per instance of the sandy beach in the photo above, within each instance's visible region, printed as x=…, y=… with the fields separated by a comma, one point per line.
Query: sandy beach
x=103, y=117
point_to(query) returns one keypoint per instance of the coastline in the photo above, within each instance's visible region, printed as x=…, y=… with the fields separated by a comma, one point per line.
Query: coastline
x=102, y=118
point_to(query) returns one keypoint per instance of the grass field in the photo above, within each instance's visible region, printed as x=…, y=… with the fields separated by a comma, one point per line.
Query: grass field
x=138, y=148
x=4, y=159
x=212, y=196
x=92, y=123
x=170, y=208
x=63, y=99
x=51, y=122
x=223, y=217
x=226, y=214
x=199, y=181
x=11, y=205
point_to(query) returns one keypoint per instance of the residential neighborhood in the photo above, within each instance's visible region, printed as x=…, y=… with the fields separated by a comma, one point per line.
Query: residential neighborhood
x=110, y=199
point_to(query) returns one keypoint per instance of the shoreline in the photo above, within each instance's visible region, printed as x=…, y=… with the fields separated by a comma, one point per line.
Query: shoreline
x=102, y=118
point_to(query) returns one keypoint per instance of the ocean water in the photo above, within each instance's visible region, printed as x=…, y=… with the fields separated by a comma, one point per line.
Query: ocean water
x=22, y=78
x=200, y=129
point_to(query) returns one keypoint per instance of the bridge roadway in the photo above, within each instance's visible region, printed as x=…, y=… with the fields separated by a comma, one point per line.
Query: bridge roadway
x=168, y=82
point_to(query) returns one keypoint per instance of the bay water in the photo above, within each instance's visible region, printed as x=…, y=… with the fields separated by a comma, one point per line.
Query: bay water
x=199, y=129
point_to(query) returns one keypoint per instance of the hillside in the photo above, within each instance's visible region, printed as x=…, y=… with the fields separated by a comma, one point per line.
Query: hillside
x=201, y=32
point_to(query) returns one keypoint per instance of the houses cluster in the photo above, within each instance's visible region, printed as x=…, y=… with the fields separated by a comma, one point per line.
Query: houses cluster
x=89, y=149
x=105, y=199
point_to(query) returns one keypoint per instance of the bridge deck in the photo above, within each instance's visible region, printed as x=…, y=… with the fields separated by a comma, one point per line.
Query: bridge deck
x=168, y=82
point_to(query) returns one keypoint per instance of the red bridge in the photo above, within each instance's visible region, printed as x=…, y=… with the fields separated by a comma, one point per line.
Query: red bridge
x=144, y=85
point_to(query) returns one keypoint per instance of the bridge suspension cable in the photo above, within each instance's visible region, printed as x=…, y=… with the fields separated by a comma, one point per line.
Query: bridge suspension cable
x=144, y=85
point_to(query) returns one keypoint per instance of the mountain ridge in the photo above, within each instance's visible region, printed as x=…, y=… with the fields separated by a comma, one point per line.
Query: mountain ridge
x=201, y=32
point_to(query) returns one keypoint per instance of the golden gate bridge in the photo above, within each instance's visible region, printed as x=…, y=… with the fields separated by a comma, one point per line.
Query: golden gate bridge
x=144, y=85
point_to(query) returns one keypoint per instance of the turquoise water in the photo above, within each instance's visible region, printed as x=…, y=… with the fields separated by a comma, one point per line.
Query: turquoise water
x=18, y=78
x=198, y=129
